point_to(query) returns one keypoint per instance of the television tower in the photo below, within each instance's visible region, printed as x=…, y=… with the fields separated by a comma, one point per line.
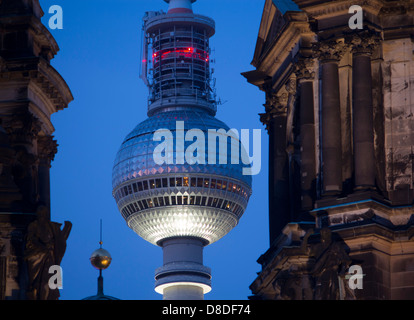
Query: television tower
x=180, y=207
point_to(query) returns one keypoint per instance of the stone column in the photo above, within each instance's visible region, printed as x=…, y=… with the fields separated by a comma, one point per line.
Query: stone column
x=362, y=45
x=46, y=149
x=329, y=54
x=279, y=208
x=305, y=77
x=23, y=129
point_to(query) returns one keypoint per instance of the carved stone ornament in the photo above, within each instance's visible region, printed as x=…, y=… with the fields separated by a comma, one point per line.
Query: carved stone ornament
x=331, y=264
x=45, y=246
x=47, y=148
x=23, y=127
x=363, y=42
x=7, y=160
x=275, y=106
x=329, y=50
x=321, y=277
x=290, y=87
x=304, y=69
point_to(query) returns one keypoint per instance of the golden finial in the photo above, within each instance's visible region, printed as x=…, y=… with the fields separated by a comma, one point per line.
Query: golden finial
x=100, y=258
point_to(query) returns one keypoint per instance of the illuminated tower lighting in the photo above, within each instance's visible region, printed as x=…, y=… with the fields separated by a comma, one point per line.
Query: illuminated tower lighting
x=180, y=207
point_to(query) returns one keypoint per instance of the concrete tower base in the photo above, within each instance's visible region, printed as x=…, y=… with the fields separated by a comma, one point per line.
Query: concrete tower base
x=183, y=275
x=183, y=292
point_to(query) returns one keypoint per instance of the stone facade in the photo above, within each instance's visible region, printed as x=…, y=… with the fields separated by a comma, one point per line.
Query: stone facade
x=31, y=90
x=338, y=112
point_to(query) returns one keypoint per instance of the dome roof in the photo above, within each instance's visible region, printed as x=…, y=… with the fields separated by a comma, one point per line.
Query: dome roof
x=100, y=296
x=135, y=157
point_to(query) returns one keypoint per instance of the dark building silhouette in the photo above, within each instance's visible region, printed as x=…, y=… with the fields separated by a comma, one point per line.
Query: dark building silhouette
x=31, y=90
x=338, y=111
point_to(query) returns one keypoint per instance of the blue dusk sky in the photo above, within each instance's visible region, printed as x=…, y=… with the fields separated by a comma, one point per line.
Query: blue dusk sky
x=100, y=60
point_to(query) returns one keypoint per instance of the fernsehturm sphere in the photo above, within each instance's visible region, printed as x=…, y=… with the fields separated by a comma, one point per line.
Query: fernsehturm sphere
x=178, y=178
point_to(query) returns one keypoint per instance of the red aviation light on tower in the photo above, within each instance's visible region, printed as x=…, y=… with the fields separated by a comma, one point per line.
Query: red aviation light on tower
x=187, y=53
x=177, y=52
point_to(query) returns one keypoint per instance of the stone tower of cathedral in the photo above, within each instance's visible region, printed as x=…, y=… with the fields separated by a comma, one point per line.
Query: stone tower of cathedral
x=339, y=114
x=31, y=90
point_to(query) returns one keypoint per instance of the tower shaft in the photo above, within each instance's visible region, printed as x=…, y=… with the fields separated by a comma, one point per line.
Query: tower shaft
x=183, y=275
x=180, y=6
